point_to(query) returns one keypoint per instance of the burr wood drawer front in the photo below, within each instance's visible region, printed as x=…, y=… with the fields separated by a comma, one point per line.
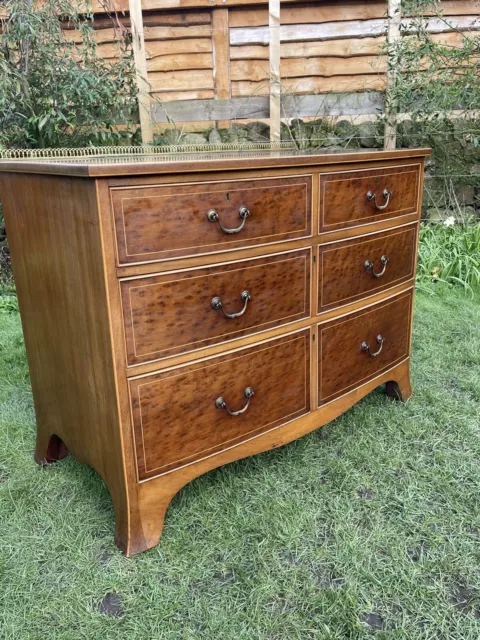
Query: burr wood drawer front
x=350, y=198
x=356, y=268
x=186, y=219
x=191, y=412
x=176, y=313
x=359, y=346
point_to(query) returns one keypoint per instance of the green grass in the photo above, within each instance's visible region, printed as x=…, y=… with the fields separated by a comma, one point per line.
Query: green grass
x=369, y=527
x=450, y=254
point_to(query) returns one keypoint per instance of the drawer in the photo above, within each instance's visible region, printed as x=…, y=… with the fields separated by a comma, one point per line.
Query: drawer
x=365, y=266
x=180, y=312
x=351, y=198
x=347, y=346
x=173, y=221
x=179, y=415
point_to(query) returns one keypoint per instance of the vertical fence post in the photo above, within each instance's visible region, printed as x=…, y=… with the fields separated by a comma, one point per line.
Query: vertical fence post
x=394, y=19
x=274, y=52
x=221, y=57
x=138, y=45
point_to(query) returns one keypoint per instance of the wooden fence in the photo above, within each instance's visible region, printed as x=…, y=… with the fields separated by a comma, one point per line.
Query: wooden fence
x=202, y=61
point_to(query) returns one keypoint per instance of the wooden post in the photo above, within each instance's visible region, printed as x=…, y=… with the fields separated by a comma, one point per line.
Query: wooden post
x=138, y=44
x=274, y=52
x=393, y=35
x=221, y=57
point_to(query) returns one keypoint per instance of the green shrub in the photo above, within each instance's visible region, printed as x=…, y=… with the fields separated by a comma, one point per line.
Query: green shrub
x=8, y=303
x=57, y=93
x=450, y=253
x=437, y=84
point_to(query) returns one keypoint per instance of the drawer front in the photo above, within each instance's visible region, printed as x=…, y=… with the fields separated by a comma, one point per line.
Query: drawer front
x=346, y=346
x=360, y=267
x=175, y=413
x=176, y=313
x=173, y=221
x=352, y=198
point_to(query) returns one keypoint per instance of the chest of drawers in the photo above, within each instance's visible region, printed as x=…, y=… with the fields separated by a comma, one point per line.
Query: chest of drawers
x=182, y=312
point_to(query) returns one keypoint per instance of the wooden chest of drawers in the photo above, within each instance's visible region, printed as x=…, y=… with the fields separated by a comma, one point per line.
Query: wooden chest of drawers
x=180, y=313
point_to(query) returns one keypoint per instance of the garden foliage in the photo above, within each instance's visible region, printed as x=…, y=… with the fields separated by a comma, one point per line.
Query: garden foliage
x=55, y=92
x=435, y=92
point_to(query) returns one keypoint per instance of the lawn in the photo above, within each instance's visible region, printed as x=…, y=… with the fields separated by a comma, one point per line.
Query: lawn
x=369, y=527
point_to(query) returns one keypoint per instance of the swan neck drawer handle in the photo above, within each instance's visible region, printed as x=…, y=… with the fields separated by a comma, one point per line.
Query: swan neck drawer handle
x=221, y=404
x=372, y=197
x=245, y=297
x=366, y=347
x=370, y=267
x=243, y=212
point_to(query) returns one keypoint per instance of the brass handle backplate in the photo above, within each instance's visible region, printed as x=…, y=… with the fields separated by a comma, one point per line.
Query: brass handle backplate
x=243, y=212
x=370, y=267
x=366, y=347
x=372, y=197
x=221, y=404
x=245, y=297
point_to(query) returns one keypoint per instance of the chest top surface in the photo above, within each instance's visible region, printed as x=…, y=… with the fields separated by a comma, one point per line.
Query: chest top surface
x=82, y=163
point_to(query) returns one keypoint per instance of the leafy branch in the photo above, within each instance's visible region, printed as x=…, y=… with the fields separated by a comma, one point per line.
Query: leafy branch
x=57, y=91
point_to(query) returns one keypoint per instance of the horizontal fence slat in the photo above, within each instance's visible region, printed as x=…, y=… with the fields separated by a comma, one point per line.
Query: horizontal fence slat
x=442, y=25
x=325, y=12
x=100, y=36
x=334, y=84
x=181, y=80
x=345, y=48
x=257, y=107
x=325, y=31
x=178, y=33
x=350, y=29
x=180, y=61
x=161, y=18
x=256, y=70
x=173, y=96
x=250, y=52
x=332, y=104
x=188, y=111
x=176, y=47
x=314, y=85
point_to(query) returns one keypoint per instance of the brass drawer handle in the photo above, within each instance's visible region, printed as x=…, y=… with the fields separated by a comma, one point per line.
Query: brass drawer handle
x=369, y=267
x=221, y=404
x=243, y=212
x=371, y=196
x=366, y=347
x=245, y=297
